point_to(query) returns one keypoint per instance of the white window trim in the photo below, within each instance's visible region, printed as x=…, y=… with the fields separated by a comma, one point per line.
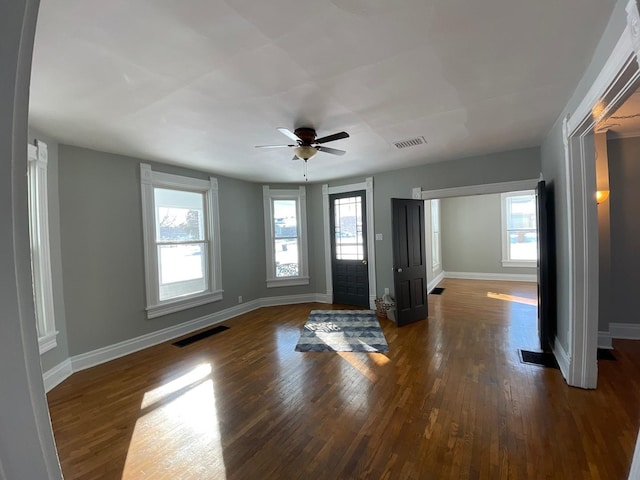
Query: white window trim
x=300, y=196
x=148, y=181
x=506, y=262
x=40, y=247
x=435, y=240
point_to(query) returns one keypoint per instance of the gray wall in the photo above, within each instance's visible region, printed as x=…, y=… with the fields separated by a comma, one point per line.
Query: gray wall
x=500, y=167
x=624, y=205
x=61, y=352
x=27, y=449
x=553, y=169
x=102, y=248
x=472, y=236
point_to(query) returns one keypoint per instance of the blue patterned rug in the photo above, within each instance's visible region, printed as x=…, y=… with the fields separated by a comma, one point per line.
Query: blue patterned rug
x=342, y=331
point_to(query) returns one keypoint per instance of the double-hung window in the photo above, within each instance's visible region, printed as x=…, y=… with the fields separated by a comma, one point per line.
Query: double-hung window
x=286, y=238
x=519, y=229
x=182, y=241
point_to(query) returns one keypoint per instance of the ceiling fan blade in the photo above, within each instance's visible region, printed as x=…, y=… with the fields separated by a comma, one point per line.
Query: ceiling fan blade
x=331, y=138
x=289, y=133
x=332, y=151
x=274, y=146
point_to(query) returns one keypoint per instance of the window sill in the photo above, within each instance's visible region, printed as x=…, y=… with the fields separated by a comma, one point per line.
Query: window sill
x=183, y=304
x=287, y=282
x=47, y=342
x=520, y=263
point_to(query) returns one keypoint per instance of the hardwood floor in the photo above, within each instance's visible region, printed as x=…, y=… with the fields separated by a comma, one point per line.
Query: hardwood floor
x=451, y=400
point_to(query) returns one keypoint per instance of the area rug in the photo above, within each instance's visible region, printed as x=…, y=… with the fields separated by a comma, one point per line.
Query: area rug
x=342, y=331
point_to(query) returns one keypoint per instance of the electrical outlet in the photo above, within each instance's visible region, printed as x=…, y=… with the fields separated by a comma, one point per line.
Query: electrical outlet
x=239, y=298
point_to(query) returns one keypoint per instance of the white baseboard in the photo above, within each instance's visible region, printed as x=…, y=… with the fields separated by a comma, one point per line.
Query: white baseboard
x=58, y=374
x=292, y=299
x=605, y=340
x=627, y=331
x=562, y=357
x=434, y=283
x=76, y=363
x=509, y=277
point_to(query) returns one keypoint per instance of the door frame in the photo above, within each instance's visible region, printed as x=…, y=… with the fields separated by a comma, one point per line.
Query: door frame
x=619, y=76
x=367, y=186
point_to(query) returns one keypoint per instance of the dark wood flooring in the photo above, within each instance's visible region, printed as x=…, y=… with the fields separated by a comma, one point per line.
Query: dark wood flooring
x=451, y=400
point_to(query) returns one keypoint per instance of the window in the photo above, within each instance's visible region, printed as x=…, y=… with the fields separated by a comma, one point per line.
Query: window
x=182, y=241
x=435, y=234
x=285, y=224
x=519, y=230
x=40, y=250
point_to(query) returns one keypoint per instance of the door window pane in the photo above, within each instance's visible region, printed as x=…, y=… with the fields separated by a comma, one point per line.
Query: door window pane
x=349, y=240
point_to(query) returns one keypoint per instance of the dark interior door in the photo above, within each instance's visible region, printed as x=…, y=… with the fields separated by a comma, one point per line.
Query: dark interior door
x=349, y=262
x=546, y=306
x=409, y=267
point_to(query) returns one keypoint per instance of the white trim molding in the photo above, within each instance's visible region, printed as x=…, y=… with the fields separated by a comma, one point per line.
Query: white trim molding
x=605, y=340
x=626, y=331
x=38, y=159
x=77, y=363
x=58, y=374
x=367, y=186
x=507, y=277
x=562, y=357
x=619, y=76
x=484, y=189
x=434, y=283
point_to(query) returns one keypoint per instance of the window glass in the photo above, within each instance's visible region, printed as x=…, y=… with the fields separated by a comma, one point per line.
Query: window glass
x=348, y=228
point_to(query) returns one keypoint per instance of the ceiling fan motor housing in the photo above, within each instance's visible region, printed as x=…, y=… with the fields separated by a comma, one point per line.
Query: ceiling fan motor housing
x=306, y=134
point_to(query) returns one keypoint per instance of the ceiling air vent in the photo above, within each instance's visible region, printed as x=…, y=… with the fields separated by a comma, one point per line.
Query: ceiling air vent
x=411, y=142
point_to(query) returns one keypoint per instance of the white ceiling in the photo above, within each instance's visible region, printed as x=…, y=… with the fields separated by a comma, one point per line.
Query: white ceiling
x=199, y=83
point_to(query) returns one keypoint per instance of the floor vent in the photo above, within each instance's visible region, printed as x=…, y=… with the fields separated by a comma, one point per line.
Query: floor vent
x=199, y=336
x=606, y=354
x=437, y=291
x=411, y=142
x=542, y=359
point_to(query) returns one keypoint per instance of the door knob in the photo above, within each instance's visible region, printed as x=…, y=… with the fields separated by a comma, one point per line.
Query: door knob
x=399, y=270
x=364, y=262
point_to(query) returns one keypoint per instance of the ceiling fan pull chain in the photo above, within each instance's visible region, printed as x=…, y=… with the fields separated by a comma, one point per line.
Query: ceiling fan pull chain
x=306, y=179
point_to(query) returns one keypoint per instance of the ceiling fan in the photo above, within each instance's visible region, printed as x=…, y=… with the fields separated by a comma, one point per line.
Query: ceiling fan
x=306, y=144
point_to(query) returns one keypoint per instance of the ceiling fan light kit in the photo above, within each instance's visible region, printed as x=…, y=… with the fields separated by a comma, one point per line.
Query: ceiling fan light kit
x=305, y=152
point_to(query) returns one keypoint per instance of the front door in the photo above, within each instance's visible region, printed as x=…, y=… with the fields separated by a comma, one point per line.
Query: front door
x=409, y=265
x=349, y=262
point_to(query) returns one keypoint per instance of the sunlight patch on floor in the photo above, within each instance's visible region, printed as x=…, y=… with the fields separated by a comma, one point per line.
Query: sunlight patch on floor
x=513, y=298
x=157, y=394
x=178, y=424
x=359, y=365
